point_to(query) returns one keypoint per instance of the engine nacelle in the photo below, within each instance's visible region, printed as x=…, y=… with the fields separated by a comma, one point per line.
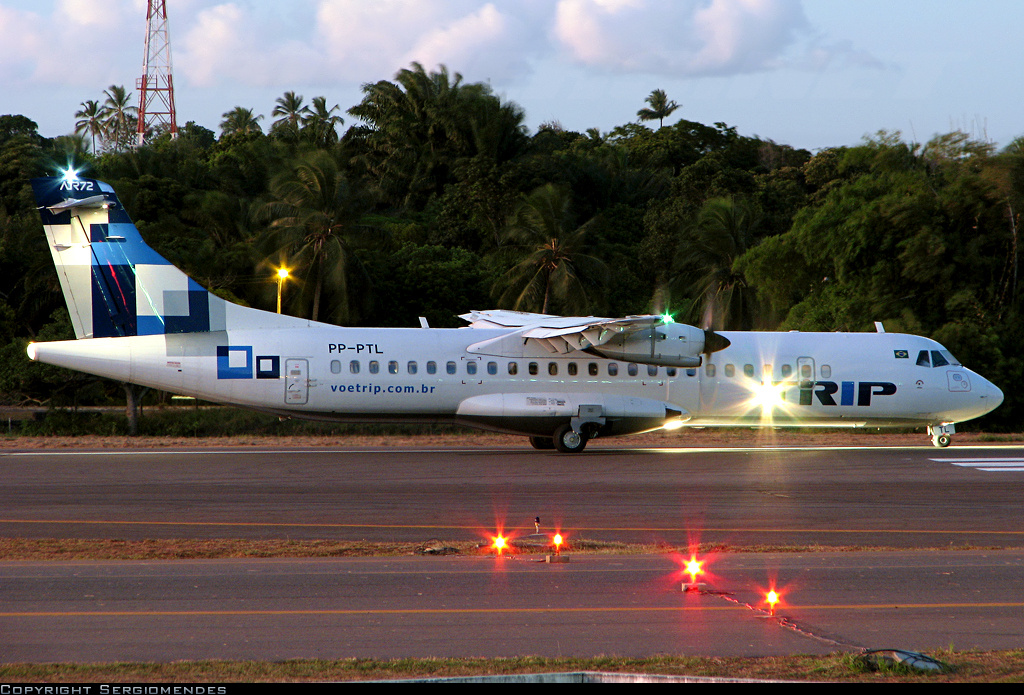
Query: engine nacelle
x=669, y=345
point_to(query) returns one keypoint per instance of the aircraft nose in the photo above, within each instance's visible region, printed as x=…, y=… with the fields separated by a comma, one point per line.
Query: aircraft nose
x=996, y=396
x=991, y=395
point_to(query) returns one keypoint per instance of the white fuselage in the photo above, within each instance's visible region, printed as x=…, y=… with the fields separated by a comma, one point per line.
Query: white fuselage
x=422, y=374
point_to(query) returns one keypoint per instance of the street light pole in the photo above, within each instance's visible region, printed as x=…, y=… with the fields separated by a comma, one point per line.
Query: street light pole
x=282, y=275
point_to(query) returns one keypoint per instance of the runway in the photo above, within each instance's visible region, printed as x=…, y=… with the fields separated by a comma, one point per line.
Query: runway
x=942, y=510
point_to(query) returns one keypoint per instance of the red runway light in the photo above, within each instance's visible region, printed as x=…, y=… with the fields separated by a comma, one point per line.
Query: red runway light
x=772, y=598
x=499, y=544
x=693, y=568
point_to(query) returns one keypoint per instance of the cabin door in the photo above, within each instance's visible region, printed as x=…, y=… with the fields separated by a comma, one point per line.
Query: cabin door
x=296, y=381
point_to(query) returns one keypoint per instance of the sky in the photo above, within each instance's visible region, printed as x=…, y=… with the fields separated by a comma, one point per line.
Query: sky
x=807, y=73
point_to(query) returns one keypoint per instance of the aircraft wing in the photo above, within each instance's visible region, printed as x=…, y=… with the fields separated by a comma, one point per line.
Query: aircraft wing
x=562, y=334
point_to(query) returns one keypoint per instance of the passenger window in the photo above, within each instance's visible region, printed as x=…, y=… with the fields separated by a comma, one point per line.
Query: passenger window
x=613, y=369
x=826, y=371
x=709, y=369
x=353, y=366
x=572, y=369
x=553, y=368
x=412, y=367
x=689, y=372
x=806, y=372
x=592, y=369
x=652, y=370
x=671, y=371
x=938, y=360
x=730, y=371
x=513, y=368
x=632, y=369
x=748, y=370
x=922, y=359
x=450, y=367
x=787, y=371
x=533, y=369
x=335, y=367
x=374, y=366
x=471, y=367
x=492, y=368
x=392, y=367
x=431, y=367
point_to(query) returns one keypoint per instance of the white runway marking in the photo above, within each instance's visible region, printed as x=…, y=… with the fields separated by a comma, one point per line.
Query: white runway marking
x=988, y=464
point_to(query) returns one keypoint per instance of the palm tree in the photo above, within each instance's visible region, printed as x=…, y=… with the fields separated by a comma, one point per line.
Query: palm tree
x=556, y=272
x=240, y=120
x=660, y=109
x=120, y=122
x=322, y=123
x=292, y=114
x=415, y=128
x=314, y=220
x=90, y=121
x=723, y=231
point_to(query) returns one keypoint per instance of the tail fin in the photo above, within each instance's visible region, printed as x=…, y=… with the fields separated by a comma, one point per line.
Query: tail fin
x=116, y=285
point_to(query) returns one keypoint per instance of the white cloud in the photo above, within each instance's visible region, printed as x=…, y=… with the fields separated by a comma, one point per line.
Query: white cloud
x=366, y=41
x=80, y=42
x=679, y=37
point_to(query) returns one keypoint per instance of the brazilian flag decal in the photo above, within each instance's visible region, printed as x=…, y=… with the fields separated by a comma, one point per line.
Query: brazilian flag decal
x=901, y=354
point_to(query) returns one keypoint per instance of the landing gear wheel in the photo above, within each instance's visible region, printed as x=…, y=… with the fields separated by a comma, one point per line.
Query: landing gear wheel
x=569, y=441
x=542, y=443
x=941, y=440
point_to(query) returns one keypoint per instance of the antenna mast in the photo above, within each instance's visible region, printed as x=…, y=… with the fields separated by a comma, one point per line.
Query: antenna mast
x=156, y=88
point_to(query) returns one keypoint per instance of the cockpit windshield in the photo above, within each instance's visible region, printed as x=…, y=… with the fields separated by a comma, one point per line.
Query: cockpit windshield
x=936, y=358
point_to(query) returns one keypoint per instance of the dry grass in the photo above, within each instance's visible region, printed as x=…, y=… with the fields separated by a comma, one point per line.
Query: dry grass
x=965, y=667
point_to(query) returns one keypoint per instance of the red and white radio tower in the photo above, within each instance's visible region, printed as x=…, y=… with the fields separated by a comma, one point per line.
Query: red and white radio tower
x=156, y=88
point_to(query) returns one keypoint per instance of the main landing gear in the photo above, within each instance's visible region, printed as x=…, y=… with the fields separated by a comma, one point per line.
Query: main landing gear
x=569, y=441
x=941, y=434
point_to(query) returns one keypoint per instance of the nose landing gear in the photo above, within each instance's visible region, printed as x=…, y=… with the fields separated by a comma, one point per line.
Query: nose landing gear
x=941, y=434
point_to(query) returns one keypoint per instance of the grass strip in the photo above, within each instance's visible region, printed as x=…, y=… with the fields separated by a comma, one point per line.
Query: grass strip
x=67, y=549
x=964, y=667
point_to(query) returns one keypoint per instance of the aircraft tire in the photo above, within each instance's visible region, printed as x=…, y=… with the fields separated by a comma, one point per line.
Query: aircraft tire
x=569, y=441
x=941, y=440
x=542, y=443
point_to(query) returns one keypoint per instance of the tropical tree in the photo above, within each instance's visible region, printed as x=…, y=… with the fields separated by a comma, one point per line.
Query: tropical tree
x=416, y=128
x=120, y=118
x=321, y=123
x=240, y=120
x=660, y=107
x=90, y=121
x=556, y=274
x=314, y=220
x=292, y=115
x=724, y=230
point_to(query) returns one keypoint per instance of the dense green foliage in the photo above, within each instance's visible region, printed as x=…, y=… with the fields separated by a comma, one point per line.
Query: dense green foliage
x=437, y=200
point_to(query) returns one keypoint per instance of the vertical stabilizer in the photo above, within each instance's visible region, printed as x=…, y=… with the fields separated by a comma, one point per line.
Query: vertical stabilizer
x=113, y=282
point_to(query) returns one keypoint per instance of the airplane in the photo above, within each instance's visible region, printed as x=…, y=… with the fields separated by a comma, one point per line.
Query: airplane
x=560, y=381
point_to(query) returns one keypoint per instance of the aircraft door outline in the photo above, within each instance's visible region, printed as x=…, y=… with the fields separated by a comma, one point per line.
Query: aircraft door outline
x=296, y=381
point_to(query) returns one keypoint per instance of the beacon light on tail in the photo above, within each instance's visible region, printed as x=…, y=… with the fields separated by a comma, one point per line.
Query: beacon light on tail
x=561, y=381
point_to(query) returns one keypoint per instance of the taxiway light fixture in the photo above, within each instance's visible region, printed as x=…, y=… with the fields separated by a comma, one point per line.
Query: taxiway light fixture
x=693, y=568
x=499, y=544
x=771, y=598
x=557, y=540
x=282, y=275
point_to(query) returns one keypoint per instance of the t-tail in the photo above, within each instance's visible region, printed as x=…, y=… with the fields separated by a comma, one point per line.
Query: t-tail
x=115, y=285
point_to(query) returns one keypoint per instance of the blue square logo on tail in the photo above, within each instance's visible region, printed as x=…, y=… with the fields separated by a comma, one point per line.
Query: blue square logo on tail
x=234, y=362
